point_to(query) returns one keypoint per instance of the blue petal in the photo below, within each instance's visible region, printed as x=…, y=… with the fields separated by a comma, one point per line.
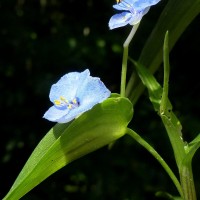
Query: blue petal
x=137, y=16
x=86, y=89
x=67, y=86
x=131, y=5
x=92, y=92
x=54, y=114
x=142, y=4
x=120, y=20
x=124, y=5
x=137, y=9
x=134, y=4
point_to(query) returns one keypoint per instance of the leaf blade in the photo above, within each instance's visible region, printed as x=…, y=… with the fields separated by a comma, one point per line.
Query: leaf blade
x=98, y=127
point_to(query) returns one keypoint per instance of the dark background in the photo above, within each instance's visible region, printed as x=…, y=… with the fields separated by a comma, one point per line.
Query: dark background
x=42, y=40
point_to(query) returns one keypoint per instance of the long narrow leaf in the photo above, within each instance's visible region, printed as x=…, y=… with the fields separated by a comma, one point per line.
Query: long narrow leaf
x=170, y=121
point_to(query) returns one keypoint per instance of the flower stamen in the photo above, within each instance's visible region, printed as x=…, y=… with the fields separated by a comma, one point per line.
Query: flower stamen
x=63, y=99
x=60, y=102
x=73, y=104
x=64, y=103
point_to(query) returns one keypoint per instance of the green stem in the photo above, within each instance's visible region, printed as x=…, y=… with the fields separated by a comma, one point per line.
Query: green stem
x=125, y=58
x=153, y=152
x=186, y=175
x=187, y=182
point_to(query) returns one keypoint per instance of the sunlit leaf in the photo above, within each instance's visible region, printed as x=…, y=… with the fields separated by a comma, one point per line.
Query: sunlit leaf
x=64, y=143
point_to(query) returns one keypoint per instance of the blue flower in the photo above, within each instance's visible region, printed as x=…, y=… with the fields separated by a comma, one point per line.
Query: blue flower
x=134, y=11
x=74, y=94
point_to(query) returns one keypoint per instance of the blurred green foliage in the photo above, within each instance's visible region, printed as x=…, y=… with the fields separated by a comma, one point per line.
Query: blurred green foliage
x=42, y=40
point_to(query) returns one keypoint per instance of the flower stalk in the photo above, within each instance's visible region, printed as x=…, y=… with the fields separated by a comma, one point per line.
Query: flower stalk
x=125, y=59
x=156, y=155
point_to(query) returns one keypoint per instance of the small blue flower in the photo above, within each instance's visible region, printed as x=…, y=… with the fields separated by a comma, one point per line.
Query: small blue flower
x=74, y=94
x=134, y=11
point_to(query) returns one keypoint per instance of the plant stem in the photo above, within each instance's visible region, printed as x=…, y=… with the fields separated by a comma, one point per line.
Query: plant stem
x=156, y=155
x=187, y=182
x=186, y=175
x=125, y=58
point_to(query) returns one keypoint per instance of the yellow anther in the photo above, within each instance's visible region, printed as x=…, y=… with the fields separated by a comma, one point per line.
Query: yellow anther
x=63, y=99
x=74, y=101
x=70, y=106
x=118, y=1
x=63, y=103
x=57, y=102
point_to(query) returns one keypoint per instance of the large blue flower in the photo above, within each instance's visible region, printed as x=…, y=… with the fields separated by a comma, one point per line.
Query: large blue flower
x=74, y=94
x=134, y=11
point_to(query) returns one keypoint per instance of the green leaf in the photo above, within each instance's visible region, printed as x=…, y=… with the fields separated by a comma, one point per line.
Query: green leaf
x=64, y=143
x=176, y=17
x=165, y=105
x=196, y=140
x=170, y=121
x=191, y=148
x=154, y=88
